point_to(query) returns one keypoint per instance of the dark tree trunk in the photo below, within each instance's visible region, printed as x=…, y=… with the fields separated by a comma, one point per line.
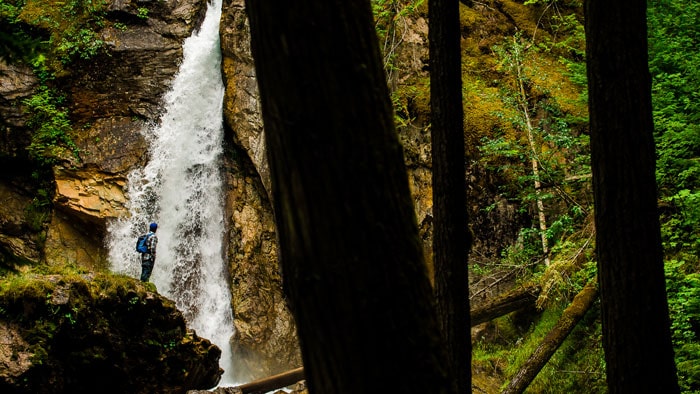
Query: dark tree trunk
x=636, y=328
x=451, y=238
x=352, y=260
x=554, y=338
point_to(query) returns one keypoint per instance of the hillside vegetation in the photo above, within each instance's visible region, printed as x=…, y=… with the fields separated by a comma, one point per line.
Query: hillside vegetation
x=525, y=104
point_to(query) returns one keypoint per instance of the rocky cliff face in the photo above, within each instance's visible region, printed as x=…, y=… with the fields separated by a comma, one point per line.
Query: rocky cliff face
x=19, y=232
x=80, y=334
x=266, y=340
x=111, y=98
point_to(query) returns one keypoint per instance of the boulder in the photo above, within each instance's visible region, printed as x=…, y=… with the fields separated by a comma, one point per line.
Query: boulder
x=85, y=333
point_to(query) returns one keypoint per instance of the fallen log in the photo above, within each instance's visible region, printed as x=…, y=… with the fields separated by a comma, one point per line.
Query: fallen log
x=554, y=338
x=270, y=383
x=511, y=301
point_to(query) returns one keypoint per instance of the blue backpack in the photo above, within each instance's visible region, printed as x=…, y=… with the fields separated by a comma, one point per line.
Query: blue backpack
x=142, y=243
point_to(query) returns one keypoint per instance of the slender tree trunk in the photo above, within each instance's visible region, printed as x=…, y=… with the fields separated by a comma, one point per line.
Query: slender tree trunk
x=554, y=338
x=636, y=327
x=524, y=107
x=451, y=238
x=351, y=256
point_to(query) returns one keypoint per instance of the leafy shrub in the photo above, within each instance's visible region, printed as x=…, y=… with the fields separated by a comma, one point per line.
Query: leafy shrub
x=51, y=125
x=684, y=306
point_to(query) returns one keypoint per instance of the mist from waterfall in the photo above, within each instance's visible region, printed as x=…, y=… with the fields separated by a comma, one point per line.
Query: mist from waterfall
x=181, y=189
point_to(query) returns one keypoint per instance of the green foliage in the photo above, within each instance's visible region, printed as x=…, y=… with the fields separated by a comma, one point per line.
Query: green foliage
x=78, y=39
x=588, y=272
x=673, y=63
x=15, y=42
x=390, y=25
x=51, y=124
x=388, y=15
x=38, y=212
x=142, y=13
x=560, y=150
x=526, y=253
x=558, y=228
x=683, y=290
x=61, y=31
x=541, y=131
x=680, y=228
x=83, y=44
x=555, y=116
x=578, y=362
x=402, y=114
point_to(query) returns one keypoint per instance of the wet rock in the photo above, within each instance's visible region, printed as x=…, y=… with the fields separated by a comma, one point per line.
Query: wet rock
x=265, y=342
x=241, y=101
x=17, y=82
x=19, y=225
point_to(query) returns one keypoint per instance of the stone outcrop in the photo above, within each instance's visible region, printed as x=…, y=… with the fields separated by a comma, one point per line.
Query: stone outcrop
x=114, y=96
x=68, y=242
x=20, y=222
x=17, y=83
x=265, y=341
x=61, y=334
x=19, y=226
x=241, y=104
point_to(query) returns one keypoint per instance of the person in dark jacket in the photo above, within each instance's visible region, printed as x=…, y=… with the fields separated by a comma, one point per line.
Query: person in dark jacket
x=148, y=259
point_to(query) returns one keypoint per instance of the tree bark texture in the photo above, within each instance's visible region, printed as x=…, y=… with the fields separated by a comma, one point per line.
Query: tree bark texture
x=636, y=328
x=352, y=260
x=514, y=300
x=451, y=238
x=554, y=338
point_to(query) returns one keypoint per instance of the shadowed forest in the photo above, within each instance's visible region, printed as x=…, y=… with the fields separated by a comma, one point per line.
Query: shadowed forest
x=524, y=213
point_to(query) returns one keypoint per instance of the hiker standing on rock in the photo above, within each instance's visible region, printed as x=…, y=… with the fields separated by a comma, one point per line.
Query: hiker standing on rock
x=146, y=245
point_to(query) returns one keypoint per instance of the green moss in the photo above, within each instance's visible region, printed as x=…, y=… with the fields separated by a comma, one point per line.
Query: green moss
x=24, y=287
x=71, y=28
x=579, y=362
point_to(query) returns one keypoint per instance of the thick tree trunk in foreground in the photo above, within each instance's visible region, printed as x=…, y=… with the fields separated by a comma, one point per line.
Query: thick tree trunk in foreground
x=352, y=260
x=451, y=238
x=636, y=328
x=554, y=338
x=512, y=301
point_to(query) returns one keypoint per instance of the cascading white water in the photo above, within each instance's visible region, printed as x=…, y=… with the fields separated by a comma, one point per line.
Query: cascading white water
x=181, y=190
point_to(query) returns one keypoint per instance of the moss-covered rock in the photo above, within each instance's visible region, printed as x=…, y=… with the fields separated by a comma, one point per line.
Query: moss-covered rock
x=81, y=333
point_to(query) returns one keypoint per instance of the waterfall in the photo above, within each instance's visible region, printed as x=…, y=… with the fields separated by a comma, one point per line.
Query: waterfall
x=181, y=189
